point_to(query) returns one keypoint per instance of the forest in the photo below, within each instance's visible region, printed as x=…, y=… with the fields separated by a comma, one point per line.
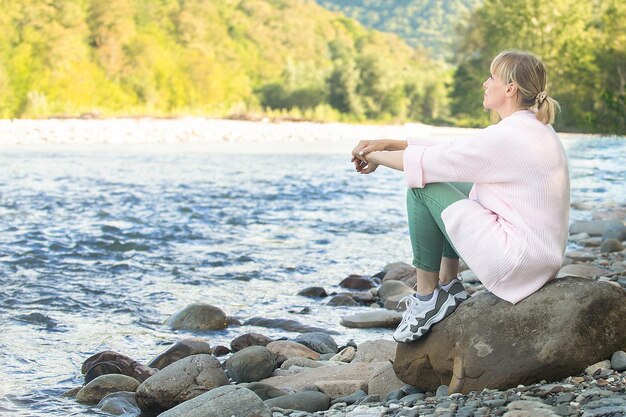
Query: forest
x=295, y=59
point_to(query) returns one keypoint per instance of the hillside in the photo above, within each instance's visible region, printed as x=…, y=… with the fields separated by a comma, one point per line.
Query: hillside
x=134, y=57
x=422, y=23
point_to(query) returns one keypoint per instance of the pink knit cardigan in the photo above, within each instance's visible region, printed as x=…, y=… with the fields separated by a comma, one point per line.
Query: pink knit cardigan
x=512, y=230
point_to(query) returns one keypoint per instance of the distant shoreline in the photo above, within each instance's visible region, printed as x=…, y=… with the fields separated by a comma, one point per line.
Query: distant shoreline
x=212, y=135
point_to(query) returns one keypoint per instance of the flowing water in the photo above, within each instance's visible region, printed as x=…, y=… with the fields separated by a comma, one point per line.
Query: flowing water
x=99, y=245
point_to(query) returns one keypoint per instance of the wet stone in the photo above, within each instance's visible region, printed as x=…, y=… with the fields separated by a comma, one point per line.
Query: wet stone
x=495, y=403
x=313, y=292
x=618, y=361
x=565, y=397
x=410, y=389
x=564, y=410
x=413, y=398
x=350, y=399
x=395, y=395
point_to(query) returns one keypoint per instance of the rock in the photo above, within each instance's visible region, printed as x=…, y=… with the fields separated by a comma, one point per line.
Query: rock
x=395, y=302
x=311, y=376
x=400, y=271
x=226, y=401
x=71, y=393
x=580, y=256
x=618, y=361
x=372, y=319
x=490, y=343
x=580, y=270
x=115, y=363
x=199, y=317
x=380, y=350
x=578, y=237
x=181, y=381
x=350, y=399
x=610, y=213
x=342, y=300
x=289, y=349
x=356, y=282
x=611, y=245
x=102, y=368
x=524, y=408
x=313, y=292
x=249, y=339
x=119, y=403
x=336, y=389
x=363, y=297
x=309, y=401
x=251, y=364
x=591, y=242
x=393, y=288
x=97, y=389
x=179, y=350
x=289, y=325
x=346, y=355
x=591, y=369
x=264, y=391
x=301, y=362
x=383, y=380
x=442, y=391
x=220, y=350
x=618, y=233
x=318, y=341
x=594, y=227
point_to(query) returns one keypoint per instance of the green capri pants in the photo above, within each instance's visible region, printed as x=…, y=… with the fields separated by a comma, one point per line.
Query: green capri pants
x=429, y=238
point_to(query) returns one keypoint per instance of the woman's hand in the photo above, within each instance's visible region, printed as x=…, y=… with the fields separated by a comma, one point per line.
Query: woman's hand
x=369, y=164
x=366, y=146
x=362, y=149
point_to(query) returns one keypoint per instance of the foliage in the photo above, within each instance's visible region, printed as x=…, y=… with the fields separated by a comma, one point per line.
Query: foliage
x=422, y=23
x=161, y=57
x=581, y=43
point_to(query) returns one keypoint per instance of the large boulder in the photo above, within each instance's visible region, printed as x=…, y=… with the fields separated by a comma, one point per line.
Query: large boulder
x=489, y=343
x=224, y=401
x=198, y=316
x=181, y=381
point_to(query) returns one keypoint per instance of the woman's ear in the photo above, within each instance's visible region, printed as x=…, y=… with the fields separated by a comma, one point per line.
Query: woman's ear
x=511, y=90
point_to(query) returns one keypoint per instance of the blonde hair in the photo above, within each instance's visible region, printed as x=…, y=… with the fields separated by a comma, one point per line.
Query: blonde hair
x=528, y=73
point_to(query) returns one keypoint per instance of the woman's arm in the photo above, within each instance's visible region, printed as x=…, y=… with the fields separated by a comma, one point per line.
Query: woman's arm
x=391, y=159
x=365, y=147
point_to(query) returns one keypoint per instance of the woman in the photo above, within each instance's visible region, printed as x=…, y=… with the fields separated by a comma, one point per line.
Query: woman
x=499, y=199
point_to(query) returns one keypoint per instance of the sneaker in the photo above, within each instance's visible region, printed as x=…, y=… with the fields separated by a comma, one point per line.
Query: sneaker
x=457, y=290
x=421, y=315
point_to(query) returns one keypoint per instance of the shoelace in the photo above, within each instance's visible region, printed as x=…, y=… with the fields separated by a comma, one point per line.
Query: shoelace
x=408, y=300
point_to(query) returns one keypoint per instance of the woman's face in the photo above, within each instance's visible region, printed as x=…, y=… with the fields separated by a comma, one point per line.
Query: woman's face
x=495, y=92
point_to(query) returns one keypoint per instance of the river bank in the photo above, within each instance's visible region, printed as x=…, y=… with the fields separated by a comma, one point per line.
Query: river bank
x=102, y=239
x=147, y=131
